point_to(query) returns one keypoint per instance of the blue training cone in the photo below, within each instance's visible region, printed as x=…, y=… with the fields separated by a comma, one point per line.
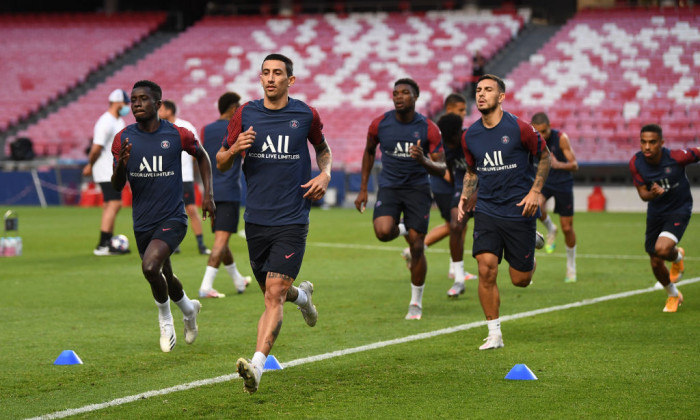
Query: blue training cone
x=68, y=357
x=271, y=363
x=521, y=372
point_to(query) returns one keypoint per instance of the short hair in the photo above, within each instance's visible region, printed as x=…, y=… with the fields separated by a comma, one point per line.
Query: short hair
x=653, y=128
x=540, y=118
x=455, y=98
x=498, y=80
x=450, y=125
x=288, y=64
x=155, y=89
x=227, y=100
x=170, y=106
x=408, y=81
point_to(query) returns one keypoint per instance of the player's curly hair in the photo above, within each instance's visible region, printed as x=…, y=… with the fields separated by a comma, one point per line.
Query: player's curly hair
x=407, y=81
x=450, y=126
x=155, y=89
x=227, y=100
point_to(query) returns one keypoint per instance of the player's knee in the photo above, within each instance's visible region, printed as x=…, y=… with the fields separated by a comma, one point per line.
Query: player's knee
x=521, y=281
x=150, y=269
x=385, y=235
x=664, y=251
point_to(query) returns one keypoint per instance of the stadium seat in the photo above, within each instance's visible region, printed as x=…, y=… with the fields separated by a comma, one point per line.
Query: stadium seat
x=345, y=66
x=634, y=65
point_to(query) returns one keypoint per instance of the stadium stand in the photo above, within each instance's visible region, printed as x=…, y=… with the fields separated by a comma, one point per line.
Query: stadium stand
x=345, y=64
x=608, y=72
x=44, y=55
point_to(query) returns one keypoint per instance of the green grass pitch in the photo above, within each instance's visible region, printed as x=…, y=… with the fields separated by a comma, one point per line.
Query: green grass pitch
x=620, y=358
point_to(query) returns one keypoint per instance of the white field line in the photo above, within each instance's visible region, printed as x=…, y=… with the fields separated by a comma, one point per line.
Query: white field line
x=468, y=252
x=338, y=353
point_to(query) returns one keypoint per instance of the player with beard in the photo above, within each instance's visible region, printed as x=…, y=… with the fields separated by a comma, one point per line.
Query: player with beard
x=500, y=149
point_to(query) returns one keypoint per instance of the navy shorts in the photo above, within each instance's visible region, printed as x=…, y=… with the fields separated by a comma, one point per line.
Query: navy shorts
x=444, y=204
x=109, y=193
x=514, y=238
x=188, y=192
x=414, y=203
x=276, y=249
x=172, y=232
x=227, y=214
x=675, y=224
x=563, y=200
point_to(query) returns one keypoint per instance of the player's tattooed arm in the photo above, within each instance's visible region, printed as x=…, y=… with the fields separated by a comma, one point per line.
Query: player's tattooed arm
x=531, y=202
x=467, y=200
x=317, y=186
x=542, y=171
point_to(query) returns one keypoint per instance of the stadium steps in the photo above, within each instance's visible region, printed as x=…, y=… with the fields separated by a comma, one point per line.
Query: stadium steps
x=131, y=56
x=530, y=39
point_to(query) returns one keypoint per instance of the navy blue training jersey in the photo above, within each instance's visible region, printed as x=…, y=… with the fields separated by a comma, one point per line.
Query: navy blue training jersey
x=154, y=171
x=454, y=158
x=278, y=163
x=226, y=185
x=558, y=179
x=395, y=139
x=502, y=157
x=670, y=175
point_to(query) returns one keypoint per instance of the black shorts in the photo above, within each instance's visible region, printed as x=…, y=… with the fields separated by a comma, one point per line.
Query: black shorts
x=109, y=193
x=674, y=224
x=188, y=192
x=514, y=238
x=563, y=200
x=172, y=232
x=276, y=249
x=227, y=214
x=444, y=204
x=414, y=203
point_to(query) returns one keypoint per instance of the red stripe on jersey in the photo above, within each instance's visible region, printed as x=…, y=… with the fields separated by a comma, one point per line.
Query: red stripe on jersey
x=636, y=177
x=316, y=130
x=187, y=140
x=685, y=156
x=116, y=147
x=234, y=129
x=434, y=137
x=530, y=138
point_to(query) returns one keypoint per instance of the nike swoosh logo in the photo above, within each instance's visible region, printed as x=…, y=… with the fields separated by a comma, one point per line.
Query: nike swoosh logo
x=289, y=256
x=167, y=229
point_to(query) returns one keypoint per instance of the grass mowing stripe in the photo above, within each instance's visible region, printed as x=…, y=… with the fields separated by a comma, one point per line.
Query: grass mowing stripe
x=338, y=353
x=469, y=251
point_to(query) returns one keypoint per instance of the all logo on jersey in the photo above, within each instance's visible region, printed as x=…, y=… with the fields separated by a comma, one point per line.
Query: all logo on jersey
x=403, y=149
x=151, y=167
x=165, y=144
x=494, y=162
x=275, y=148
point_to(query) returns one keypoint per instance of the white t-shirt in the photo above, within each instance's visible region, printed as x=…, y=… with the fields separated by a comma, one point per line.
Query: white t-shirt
x=187, y=168
x=106, y=127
